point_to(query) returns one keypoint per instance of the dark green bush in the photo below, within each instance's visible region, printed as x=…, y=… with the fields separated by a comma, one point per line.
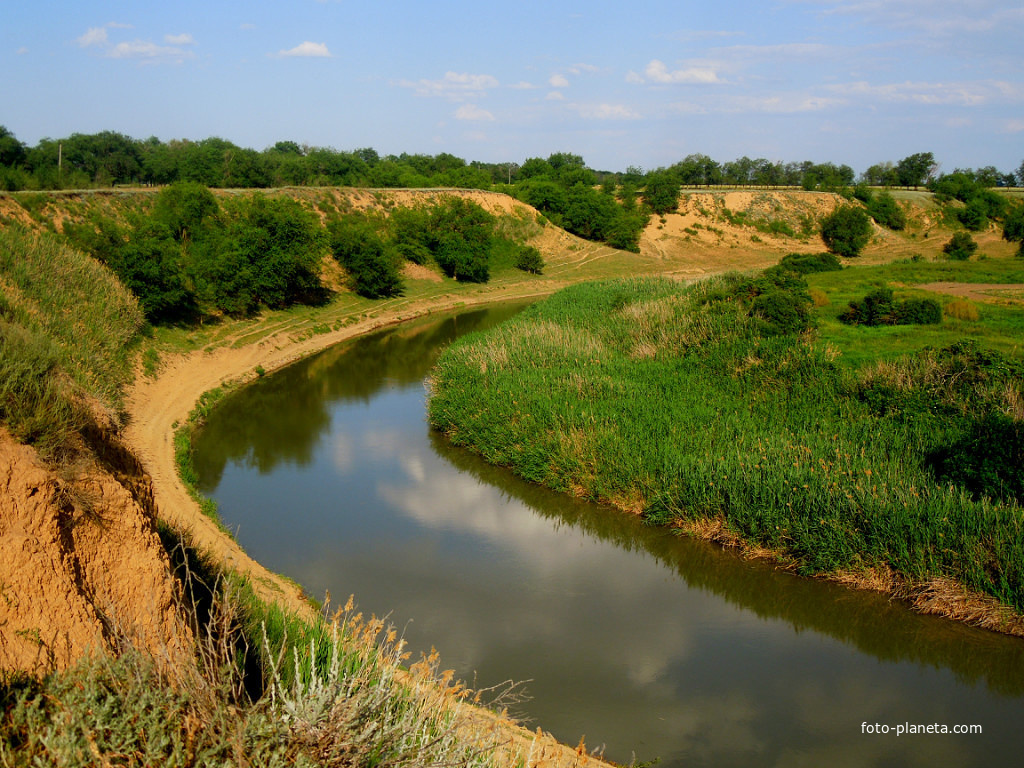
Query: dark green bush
x=988, y=460
x=960, y=247
x=529, y=259
x=808, y=263
x=886, y=211
x=846, y=231
x=782, y=311
x=880, y=308
x=372, y=264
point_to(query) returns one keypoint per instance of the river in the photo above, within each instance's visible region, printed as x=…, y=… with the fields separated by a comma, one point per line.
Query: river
x=649, y=645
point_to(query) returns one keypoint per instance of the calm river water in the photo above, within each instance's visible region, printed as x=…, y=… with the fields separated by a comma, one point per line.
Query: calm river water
x=651, y=645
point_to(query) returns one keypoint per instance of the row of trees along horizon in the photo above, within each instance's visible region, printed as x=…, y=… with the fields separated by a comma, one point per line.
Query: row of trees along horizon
x=192, y=255
x=108, y=158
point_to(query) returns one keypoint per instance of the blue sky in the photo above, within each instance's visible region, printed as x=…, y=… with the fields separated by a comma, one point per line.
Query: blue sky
x=641, y=83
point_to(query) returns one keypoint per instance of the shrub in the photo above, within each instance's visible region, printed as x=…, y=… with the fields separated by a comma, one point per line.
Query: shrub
x=846, y=231
x=783, y=312
x=372, y=264
x=530, y=260
x=880, y=308
x=960, y=247
x=808, y=263
x=886, y=211
x=987, y=460
x=918, y=312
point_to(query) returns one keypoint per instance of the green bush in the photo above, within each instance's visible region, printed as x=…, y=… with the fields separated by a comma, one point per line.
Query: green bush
x=372, y=264
x=809, y=263
x=880, y=308
x=530, y=260
x=846, y=231
x=960, y=247
x=886, y=211
x=783, y=312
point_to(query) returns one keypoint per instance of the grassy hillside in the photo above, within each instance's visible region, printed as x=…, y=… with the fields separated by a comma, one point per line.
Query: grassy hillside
x=68, y=330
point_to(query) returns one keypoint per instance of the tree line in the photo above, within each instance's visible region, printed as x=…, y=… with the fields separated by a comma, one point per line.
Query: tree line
x=108, y=158
x=193, y=255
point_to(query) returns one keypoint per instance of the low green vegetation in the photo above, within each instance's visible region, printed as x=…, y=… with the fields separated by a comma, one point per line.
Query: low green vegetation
x=733, y=400
x=67, y=331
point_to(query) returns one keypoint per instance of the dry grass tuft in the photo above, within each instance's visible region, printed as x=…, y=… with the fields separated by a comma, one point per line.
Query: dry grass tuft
x=961, y=309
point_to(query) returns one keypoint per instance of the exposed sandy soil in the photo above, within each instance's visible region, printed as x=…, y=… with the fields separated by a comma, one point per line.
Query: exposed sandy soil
x=83, y=569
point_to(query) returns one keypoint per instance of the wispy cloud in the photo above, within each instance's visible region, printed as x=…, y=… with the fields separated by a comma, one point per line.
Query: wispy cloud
x=558, y=81
x=93, y=36
x=604, y=111
x=307, y=50
x=142, y=50
x=657, y=72
x=457, y=86
x=963, y=94
x=147, y=50
x=473, y=112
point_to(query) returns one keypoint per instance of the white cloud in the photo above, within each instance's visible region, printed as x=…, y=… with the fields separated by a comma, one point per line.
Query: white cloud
x=558, y=81
x=307, y=50
x=93, y=36
x=605, y=112
x=457, y=86
x=966, y=94
x=1013, y=126
x=633, y=77
x=22, y=51
x=472, y=112
x=522, y=85
x=657, y=72
x=144, y=49
x=183, y=39
x=554, y=96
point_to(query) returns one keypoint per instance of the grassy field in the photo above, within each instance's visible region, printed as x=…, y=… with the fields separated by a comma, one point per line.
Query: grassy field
x=846, y=449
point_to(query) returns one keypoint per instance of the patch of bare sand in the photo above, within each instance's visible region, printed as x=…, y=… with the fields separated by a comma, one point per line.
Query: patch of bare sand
x=991, y=293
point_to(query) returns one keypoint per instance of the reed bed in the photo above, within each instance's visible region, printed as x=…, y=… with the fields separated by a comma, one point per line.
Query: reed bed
x=669, y=402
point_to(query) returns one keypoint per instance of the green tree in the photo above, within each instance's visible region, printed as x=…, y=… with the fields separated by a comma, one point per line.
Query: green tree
x=372, y=263
x=886, y=211
x=960, y=247
x=1013, y=228
x=915, y=170
x=183, y=207
x=846, y=230
x=661, y=192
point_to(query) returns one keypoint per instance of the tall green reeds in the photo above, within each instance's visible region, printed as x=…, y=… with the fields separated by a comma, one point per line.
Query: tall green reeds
x=672, y=402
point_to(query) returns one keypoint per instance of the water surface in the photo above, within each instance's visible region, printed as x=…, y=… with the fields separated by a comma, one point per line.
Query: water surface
x=648, y=644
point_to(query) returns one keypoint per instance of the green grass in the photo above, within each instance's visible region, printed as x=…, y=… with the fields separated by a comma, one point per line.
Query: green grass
x=70, y=331
x=1002, y=326
x=669, y=402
